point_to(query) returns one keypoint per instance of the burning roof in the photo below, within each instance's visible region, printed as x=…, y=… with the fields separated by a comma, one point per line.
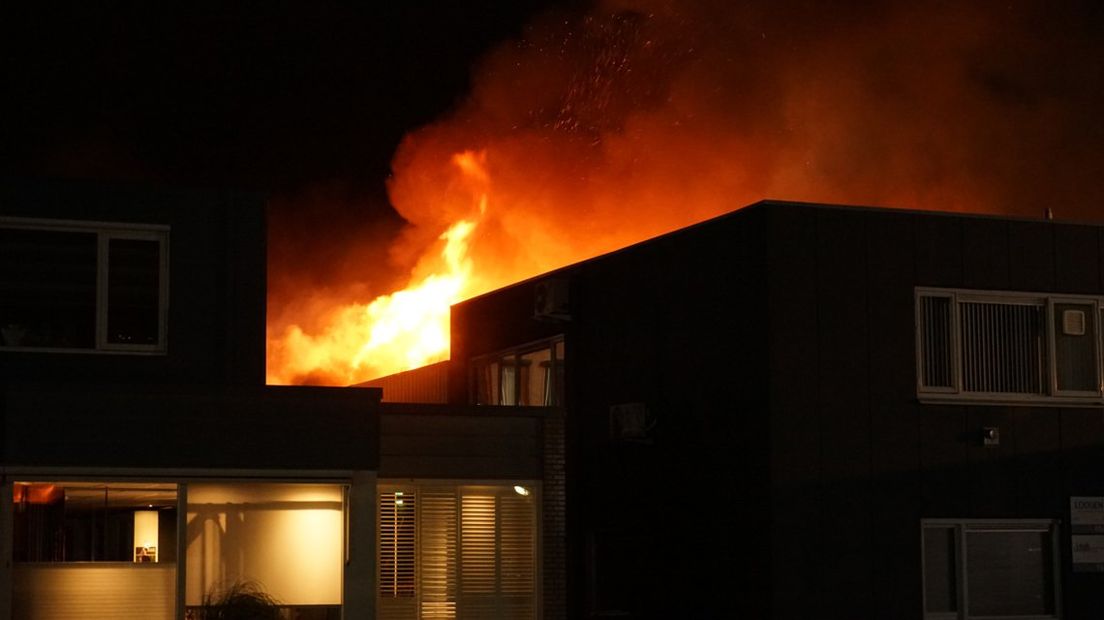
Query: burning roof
x=598, y=130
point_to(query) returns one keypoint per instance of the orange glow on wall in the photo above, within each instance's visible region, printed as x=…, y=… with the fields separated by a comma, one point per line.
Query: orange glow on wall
x=36, y=493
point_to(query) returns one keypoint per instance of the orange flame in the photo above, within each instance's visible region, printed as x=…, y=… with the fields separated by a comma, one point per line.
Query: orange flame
x=483, y=249
x=406, y=329
x=642, y=117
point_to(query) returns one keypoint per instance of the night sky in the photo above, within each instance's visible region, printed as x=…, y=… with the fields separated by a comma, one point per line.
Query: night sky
x=304, y=102
x=269, y=96
x=987, y=106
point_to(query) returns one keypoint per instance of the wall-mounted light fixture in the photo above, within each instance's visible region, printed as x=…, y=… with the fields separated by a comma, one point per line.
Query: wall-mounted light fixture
x=990, y=436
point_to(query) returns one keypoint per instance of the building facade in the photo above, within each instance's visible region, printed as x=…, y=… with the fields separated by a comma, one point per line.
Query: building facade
x=790, y=411
x=147, y=469
x=799, y=411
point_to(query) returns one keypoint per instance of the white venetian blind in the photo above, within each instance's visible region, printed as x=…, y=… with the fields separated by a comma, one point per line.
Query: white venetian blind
x=478, y=568
x=517, y=556
x=94, y=591
x=437, y=554
x=396, y=548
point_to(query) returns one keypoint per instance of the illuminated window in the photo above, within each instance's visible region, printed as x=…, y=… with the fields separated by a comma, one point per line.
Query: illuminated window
x=990, y=568
x=529, y=376
x=289, y=539
x=74, y=286
x=1007, y=347
x=84, y=549
x=448, y=551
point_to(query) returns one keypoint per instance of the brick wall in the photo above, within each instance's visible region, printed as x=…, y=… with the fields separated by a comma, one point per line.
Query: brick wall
x=554, y=531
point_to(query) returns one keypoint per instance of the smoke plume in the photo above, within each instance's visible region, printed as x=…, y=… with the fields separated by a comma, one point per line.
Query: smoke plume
x=639, y=117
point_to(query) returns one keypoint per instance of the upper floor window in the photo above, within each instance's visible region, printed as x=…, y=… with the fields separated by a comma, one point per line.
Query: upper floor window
x=530, y=375
x=1008, y=347
x=78, y=286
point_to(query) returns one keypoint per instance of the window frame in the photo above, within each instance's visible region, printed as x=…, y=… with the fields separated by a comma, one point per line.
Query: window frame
x=555, y=376
x=960, y=528
x=181, y=480
x=106, y=232
x=1046, y=301
x=1052, y=344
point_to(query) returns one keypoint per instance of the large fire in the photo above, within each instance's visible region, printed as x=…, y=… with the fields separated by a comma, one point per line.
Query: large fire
x=492, y=242
x=403, y=330
x=594, y=131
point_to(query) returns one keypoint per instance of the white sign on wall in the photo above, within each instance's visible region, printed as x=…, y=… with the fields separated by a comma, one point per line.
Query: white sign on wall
x=1087, y=534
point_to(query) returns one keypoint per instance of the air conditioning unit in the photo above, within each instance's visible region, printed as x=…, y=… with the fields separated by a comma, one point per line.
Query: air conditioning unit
x=631, y=422
x=1073, y=322
x=550, y=300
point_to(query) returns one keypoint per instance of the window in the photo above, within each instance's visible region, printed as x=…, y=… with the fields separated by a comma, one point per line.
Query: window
x=457, y=551
x=530, y=375
x=1008, y=347
x=979, y=568
x=121, y=549
x=76, y=286
x=94, y=549
x=288, y=538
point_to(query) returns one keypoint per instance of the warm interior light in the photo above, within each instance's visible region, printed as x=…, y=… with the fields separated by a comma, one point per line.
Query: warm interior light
x=145, y=535
x=287, y=536
x=520, y=490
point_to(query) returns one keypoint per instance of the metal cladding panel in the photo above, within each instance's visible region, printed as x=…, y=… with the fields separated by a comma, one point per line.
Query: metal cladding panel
x=158, y=427
x=462, y=442
x=428, y=384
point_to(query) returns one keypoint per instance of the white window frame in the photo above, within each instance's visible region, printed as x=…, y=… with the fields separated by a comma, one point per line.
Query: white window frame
x=961, y=527
x=1053, y=396
x=105, y=232
x=1094, y=317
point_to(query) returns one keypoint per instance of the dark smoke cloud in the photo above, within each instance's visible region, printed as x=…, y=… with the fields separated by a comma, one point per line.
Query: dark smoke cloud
x=638, y=117
x=695, y=108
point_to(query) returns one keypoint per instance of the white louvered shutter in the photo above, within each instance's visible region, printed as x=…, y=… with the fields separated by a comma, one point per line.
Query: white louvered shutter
x=478, y=570
x=498, y=556
x=437, y=554
x=397, y=528
x=517, y=551
x=448, y=552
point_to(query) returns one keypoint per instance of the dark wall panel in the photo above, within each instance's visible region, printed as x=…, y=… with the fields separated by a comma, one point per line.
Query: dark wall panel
x=797, y=556
x=1031, y=256
x=985, y=253
x=938, y=251
x=1034, y=435
x=990, y=470
x=169, y=427
x=844, y=408
x=1076, y=264
x=418, y=441
x=943, y=449
x=894, y=440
